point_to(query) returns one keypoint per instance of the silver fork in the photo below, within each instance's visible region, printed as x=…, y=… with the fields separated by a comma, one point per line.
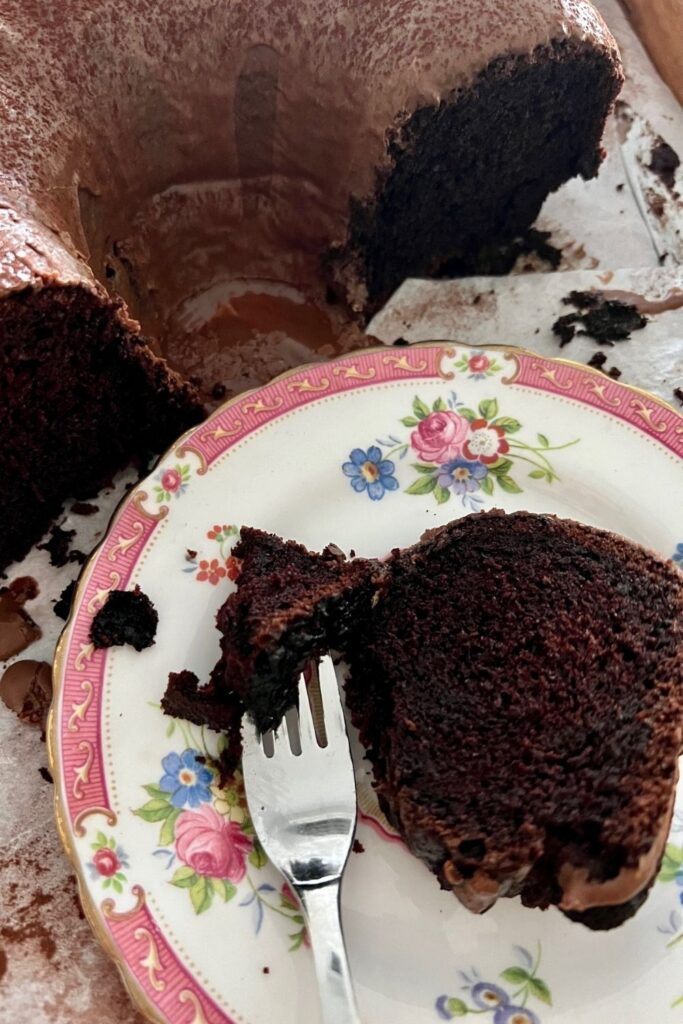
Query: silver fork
x=304, y=811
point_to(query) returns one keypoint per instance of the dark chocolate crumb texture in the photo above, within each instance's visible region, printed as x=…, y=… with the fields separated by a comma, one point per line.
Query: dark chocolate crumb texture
x=604, y=320
x=531, y=748
x=127, y=617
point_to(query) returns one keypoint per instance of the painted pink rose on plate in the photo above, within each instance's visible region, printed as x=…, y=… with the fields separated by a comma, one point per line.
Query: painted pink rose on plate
x=106, y=862
x=439, y=437
x=211, y=845
x=478, y=363
x=171, y=480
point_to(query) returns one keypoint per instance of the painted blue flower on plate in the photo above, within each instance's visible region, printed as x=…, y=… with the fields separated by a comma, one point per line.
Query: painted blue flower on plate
x=368, y=471
x=186, y=779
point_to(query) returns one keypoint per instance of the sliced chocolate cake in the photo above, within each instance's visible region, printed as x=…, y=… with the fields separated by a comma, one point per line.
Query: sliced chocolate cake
x=517, y=681
x=210, y=705
x=80, y=392
x=290, y=605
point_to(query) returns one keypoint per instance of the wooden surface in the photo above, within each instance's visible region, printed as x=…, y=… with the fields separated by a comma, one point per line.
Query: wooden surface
x=660, y=26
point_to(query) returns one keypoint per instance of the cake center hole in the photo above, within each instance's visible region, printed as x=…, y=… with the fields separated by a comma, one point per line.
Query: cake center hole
x=241, y=334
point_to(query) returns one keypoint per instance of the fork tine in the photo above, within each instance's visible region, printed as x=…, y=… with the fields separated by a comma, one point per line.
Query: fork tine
x=306, y=727
x=252, y=747
x=333, y=711
x=281, y=740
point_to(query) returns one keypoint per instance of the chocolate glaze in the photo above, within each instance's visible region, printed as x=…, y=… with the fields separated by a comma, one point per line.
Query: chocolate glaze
x=672, y=300
x=17, y=628
x=24, y=588
x=26, y=689
x=580, y=893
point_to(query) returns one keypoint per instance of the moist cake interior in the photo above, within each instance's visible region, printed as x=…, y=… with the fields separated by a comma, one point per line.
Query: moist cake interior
x=517, y=682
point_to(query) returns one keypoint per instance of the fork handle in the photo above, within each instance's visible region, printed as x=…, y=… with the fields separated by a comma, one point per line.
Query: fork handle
x=321, y=907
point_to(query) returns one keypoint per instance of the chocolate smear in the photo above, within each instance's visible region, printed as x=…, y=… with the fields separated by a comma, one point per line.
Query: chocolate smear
x=26, y=689
x=24, y=588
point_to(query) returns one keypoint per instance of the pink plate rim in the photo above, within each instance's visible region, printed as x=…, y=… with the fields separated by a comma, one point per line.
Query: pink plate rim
x=168, y=992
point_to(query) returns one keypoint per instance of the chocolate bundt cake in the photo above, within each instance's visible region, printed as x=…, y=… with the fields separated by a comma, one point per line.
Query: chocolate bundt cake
x=175, y=156
x=517, y=681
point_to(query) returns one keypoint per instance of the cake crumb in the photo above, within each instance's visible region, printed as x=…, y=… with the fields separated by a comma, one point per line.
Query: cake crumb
x=678, y=395
x=266, y=970
x=63, y=603
x=84, y=508
x=190, y=554
x=598, y=360
x=358, y=846
x=127, y=617
x=58, y=546
x=45, y=774
x=538, y=242
x=664, y=162
x=604, y=320
x=564, y=328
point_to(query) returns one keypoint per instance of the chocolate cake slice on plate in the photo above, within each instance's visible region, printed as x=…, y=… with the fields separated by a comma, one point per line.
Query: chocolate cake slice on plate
x=517, y=682
x=290, y=606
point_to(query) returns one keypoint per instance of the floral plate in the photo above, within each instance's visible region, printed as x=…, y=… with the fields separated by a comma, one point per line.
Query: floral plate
x=366, y=451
